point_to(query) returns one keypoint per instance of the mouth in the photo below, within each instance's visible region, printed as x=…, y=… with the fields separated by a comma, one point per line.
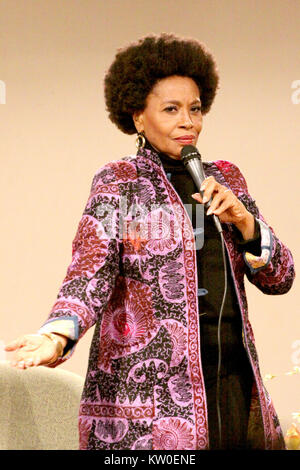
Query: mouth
x=186, y=139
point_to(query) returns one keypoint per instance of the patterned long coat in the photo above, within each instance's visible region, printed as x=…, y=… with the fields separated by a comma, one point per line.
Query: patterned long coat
x=133, y=275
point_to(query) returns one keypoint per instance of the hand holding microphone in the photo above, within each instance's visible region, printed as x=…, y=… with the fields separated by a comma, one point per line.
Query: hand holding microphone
x=220, y=201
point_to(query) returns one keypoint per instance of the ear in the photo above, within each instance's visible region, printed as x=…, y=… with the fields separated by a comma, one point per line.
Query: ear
x=138, y=120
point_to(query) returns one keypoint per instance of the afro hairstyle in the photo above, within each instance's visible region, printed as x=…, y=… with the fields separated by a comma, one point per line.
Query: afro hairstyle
x=139, y=66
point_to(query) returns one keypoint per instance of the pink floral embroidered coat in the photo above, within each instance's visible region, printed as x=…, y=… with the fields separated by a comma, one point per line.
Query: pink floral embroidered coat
x=144, y=387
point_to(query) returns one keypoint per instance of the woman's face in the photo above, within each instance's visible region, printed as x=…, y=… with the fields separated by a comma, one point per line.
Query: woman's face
x=172, y=117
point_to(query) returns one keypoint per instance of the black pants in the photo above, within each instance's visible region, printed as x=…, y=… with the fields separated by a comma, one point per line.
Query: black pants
x=235, y=397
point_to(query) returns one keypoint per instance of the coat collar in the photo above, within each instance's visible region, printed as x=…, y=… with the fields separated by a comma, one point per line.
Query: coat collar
x=150, y=153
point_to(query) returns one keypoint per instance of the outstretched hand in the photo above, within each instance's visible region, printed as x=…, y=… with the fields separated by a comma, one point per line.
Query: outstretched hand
x=32, y=350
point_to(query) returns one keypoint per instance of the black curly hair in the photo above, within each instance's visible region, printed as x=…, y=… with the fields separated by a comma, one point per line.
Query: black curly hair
x=138, y=67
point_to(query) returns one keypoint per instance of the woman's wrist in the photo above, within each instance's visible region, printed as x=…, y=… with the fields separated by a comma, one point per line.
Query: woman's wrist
x=60, y=342
x=247, y=226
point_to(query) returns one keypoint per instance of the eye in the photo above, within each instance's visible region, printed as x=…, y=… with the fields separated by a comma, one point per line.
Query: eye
x=196, y=109
x=170, y=109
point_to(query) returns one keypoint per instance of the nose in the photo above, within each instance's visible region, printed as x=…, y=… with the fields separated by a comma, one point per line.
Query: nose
x=186, y=120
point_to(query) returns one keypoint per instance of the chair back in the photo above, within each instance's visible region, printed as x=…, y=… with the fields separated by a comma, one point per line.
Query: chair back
x=39, y=408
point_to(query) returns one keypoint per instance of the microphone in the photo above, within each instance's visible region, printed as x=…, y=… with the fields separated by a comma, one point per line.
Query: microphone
x=191, y=159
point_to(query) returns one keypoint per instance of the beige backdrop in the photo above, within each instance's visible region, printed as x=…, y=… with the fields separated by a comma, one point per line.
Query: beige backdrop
x=55, y=134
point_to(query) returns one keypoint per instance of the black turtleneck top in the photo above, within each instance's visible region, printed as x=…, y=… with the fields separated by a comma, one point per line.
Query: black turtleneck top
x=236, y=373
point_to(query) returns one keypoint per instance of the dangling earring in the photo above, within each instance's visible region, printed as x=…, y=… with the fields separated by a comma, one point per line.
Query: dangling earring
x=140, y=140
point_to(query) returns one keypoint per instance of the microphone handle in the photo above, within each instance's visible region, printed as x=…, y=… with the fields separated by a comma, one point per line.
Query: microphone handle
x=215, y=217
x=198, y=179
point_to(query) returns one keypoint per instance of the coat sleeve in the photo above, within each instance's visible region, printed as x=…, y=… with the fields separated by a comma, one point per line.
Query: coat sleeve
x=91, y=275
x=272, y=270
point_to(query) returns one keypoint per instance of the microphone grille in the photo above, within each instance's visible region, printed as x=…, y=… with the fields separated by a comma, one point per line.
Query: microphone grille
x=189, y=152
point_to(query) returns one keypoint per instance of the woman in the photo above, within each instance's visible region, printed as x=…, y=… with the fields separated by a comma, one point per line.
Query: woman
x=155, y=299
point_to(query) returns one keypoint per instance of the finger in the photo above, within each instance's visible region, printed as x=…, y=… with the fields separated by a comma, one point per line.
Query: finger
x=210, y=187
x=207, y=184
x=210, y=180
x=13, y=345
x=223, y=207
x=36, y=361
x=237, y=209
x=29, y=362
x=217, y=200
x=207, y=181
x=20, y=365
x=197, y=197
